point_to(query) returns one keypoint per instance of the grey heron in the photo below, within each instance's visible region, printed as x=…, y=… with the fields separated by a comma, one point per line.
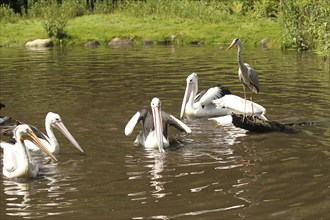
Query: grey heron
x=247, y=75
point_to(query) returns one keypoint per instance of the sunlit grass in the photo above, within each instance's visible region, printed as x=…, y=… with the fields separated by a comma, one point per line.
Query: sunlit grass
x=20, y=32
x=107, y=26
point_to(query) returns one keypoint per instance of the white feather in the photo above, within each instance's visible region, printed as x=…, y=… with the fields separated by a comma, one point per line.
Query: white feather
x=235, y=104
x=132, y=123
x=183, y=125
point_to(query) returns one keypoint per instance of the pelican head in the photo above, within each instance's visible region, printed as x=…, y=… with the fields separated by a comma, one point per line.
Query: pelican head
x=191, y=90
x=55, y=121
x=24, y=132
x=158, y=122
x=235, y=41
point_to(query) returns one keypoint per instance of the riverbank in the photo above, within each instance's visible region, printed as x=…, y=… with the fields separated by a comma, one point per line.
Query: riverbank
x=160, y=30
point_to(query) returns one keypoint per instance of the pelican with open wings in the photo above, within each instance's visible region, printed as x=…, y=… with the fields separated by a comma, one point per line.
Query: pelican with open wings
x=52, y=120
x=155, y=125
x=200, y=105
x=17, y=162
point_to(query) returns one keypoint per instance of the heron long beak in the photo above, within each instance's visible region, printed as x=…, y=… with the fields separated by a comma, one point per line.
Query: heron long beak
x=60, y=126
x=158, y=125
x=185, y=99
x=231, y=45
x=32, y=137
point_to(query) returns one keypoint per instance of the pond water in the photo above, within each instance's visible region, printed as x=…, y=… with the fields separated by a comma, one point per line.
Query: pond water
x=216, y=172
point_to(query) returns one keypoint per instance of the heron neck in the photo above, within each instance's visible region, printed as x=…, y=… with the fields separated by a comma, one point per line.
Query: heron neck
x=239, y=50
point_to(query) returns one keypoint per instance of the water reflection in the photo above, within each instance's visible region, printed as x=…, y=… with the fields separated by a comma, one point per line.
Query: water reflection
x=155, y=165
x=48, y=195
x=156, y=177
x=212, y=173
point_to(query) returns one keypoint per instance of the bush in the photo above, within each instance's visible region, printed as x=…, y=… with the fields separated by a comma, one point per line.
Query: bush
x=306, y=25
x=7, y=14
x=55, y=28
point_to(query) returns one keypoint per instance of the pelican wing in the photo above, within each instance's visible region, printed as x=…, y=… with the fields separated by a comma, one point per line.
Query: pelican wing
x=134, y=120
x=173, y=121
x=9, y=157
x=206, y=96
x=39, y=133
x=235, y=104
x=9, y=131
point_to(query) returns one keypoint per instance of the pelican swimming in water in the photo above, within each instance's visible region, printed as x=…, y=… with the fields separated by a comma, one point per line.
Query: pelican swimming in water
x=52, y=120
x=155, y=124
x=201, y=105
x=17, y=162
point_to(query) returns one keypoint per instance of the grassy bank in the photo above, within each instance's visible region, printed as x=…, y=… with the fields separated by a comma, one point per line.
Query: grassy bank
x=293, y=24
x=104, y=27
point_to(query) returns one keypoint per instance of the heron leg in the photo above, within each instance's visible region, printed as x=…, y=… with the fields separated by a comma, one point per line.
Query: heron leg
x=252, y=102
x=244, y=115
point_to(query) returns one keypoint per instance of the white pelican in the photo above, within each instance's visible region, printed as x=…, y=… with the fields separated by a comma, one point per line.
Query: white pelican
x=235, y=104
x=52, y=120
x=201, y=105
x=246, y=74
x=155, y=124
x=16, y=159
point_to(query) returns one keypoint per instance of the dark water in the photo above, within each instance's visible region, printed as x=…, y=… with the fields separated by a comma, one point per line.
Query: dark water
x=213, y=173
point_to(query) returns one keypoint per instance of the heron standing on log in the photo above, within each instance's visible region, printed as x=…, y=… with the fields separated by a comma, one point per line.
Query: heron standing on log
x=247, y=75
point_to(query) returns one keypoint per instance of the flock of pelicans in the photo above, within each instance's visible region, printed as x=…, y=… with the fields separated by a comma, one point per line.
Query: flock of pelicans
x=214, y=102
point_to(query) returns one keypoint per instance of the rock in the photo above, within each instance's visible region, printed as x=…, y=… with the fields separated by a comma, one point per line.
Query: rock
x=195, y=42
x=92, y=43
x=148, y=42
x=117, y=41
x=264, y=42
x=40, y=43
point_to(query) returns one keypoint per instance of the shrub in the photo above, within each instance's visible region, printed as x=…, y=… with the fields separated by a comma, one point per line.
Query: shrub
x=55, y=28
x=7, y=14
x=306, y=25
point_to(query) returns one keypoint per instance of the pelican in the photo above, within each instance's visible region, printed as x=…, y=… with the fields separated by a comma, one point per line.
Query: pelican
x=235, y=104
x=16, y=159
x=155, y=124
x=52, y=120
x=201, y=105
x=246, y=74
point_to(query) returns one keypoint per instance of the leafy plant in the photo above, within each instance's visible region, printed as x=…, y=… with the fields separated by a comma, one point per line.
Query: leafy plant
x=55, y=27
x=307, y=25
x=7, y=14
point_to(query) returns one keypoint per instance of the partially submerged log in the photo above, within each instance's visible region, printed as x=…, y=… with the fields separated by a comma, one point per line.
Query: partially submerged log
x=253, y=123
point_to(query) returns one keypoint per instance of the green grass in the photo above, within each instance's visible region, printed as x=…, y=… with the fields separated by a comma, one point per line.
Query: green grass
x=19, y=33
x=103, y=27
